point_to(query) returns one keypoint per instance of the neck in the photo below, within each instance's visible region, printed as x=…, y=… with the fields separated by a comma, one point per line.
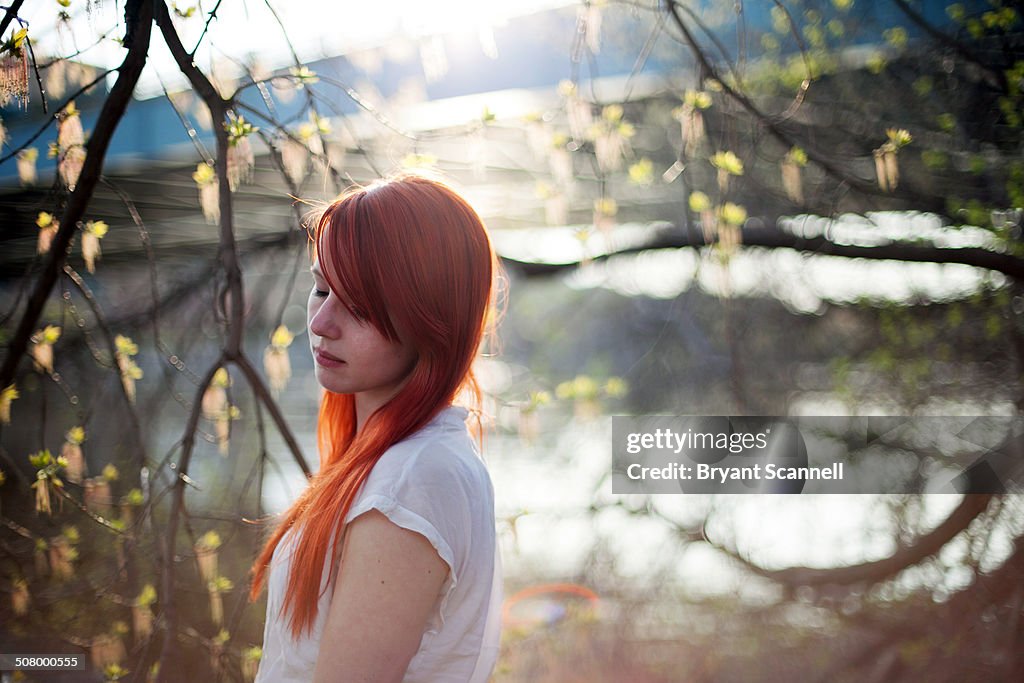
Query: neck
x=367, y=403
x=365, y=406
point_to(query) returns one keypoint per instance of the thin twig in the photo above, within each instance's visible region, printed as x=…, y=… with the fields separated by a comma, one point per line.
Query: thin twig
x=66, y=58
x=956, y=45
x=260, y=389
x=90, y=298
x=96, y=151
x=206, y=27
x=322, y=157
x=190, y=130
x=768, y=122
x=49, y=121
x=35, y=70
x=805, y=85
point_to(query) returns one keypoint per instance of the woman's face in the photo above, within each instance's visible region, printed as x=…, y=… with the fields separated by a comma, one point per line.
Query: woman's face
x=350, y=355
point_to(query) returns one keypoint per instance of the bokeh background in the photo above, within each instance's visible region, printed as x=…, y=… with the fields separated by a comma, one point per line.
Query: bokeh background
x=785, y=208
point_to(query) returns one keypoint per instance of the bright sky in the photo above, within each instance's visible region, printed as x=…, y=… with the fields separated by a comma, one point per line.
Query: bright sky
x=316, y=28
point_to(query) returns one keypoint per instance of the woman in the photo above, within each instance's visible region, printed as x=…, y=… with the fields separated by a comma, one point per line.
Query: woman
x=386, y=568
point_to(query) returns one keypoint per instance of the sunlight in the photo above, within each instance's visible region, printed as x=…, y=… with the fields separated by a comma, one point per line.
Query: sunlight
x=314, y=29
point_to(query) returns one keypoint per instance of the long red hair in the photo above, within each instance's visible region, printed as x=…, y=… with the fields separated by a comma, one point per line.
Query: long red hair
x=413, y=255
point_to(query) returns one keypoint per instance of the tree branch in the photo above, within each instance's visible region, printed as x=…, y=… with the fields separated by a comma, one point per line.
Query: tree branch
x=770, y=123
x=263, y=394
x=12, y=12
x=676, y=238
x=170, y=654
x=96, y=149
x=206, y=27
x=49, y=121
x=870, y=573
x=957, y=46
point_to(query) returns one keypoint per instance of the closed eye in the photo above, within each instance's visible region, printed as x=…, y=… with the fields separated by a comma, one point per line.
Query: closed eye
x=320, y=292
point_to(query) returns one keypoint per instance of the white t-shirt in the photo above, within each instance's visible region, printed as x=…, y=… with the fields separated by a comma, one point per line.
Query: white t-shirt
x=433, y=483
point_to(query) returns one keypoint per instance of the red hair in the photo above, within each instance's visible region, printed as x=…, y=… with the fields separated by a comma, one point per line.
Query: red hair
x=414, y=256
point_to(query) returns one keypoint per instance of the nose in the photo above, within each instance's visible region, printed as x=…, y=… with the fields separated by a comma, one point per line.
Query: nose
x=325, y=320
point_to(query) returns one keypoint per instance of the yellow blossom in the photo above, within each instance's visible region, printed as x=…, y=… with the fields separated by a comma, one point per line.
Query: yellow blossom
x=606, y=206
x=796, y=156
x=733, y=214
x=47, y=231
x=304, y=76
x=93, y=233
x=42, y=347
x=125, y=346
x=209, y=541
x=612, y=113
x=49, y=334
x=98, y=228
x=642, y=172
x=697, y=99
x=899, y=137
x=76, y=435
x=204, y=174
x=699, y=202
x=147, y=596
x=615, y=387
x=221, y=378
x=281, y=337
x=728, y=162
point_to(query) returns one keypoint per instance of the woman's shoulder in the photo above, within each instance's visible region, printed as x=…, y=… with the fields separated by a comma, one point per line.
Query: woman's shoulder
x=433, y=483
x=441, y=454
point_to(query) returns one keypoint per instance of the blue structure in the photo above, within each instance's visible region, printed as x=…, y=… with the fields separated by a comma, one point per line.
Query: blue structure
x=533, y=52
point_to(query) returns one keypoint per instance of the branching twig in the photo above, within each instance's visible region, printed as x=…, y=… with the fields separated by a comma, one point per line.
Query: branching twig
x=229, y=260
x=674, y=238
x=68, y=57
x=136, y=426
x=772, y=125
x=51, y=119
x=96, y=149
x=170, y=652
x=263, y=394
x=206, y=27
x=957, y=46
x=35, y=71
x=869, y=573
x=102, y=521
x=10, y=15
x=190, y=130
x=322, y=157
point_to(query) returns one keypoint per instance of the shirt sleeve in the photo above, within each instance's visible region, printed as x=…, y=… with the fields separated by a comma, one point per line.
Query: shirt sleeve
x=429, y=493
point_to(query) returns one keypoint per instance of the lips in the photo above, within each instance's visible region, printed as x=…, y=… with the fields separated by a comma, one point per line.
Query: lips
x=327, y=360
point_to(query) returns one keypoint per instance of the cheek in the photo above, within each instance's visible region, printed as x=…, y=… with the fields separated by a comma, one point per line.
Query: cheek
x=405, y=358
x=395, y=360
x=404, y=352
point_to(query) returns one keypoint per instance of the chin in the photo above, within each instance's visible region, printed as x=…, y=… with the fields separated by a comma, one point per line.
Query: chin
x=326, y=381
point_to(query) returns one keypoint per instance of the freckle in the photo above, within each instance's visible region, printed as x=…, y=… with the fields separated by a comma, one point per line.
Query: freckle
x=382, y=583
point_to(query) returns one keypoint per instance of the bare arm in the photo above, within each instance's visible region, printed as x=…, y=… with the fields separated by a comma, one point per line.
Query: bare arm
x=387, y=585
